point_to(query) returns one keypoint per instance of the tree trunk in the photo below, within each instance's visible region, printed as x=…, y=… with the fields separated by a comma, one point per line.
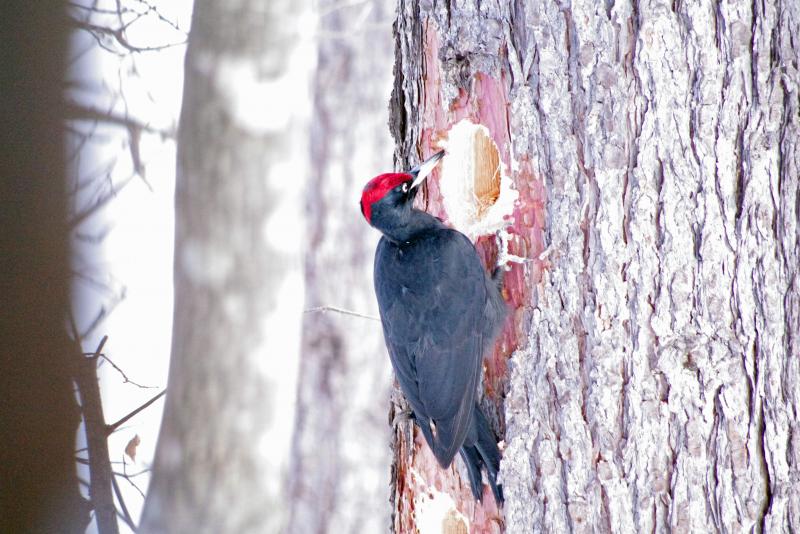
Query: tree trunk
x=223, y=450
x=647, y=379
x=39, y=415
x=340, y=451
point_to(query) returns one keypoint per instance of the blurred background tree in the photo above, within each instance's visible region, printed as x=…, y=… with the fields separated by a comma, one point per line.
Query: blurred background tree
x=39, y=415
x=276, y=420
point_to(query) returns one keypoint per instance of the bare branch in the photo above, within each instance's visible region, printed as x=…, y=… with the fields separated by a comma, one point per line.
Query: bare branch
x=124, y=376
x=102, y=314
x=125, y=515
x=78, y=218
x=132, y=483
x=99, y=285
x=93, y=239
x=128, y=477
x=115, y=426
x=325, y=309
x=73, y=326
x=152, y=9
x=99, y=349
x=118, y=34
x=84, y=461
x=76, y=111
x=100, y=473
x=92, y=9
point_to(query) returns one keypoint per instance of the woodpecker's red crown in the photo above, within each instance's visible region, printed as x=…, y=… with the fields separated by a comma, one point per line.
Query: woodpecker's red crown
x=377, y=188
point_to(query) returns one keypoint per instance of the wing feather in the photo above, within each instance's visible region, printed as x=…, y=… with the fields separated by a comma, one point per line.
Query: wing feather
x=432, y=298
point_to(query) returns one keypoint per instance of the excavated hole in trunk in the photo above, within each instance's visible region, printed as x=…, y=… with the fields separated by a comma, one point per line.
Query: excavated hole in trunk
x=487, y=172
x=475, y=186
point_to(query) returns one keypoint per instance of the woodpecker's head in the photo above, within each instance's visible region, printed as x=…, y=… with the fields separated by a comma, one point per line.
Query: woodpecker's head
x=386, y=200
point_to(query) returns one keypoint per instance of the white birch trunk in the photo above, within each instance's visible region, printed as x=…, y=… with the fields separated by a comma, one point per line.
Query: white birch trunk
x=654, y=381
x=222, y=456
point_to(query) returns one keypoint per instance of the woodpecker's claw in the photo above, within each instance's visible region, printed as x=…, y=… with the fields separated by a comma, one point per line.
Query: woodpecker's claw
x=403, y=417
x=504, y=258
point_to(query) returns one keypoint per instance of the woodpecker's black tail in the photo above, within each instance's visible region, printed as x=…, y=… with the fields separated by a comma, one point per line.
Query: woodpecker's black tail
x=480, y=450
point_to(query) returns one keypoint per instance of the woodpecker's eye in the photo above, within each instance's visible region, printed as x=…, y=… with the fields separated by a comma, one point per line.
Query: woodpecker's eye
x=404, y=187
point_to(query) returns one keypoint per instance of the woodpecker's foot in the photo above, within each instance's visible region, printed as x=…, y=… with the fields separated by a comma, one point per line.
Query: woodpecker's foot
x=498, y=276
x=402, y=417
x=504, y=258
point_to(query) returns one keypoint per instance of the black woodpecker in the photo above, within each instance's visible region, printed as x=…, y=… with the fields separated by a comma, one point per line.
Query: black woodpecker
x=441, y=312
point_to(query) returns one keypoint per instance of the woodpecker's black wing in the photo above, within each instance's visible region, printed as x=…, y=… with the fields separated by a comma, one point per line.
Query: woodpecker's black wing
x=432, y=295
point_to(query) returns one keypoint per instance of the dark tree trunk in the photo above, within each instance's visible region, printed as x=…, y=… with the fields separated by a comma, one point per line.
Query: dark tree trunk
x=648, y=379
x=39, y=416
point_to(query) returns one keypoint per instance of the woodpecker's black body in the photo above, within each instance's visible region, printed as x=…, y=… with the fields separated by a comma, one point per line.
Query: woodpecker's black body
x=440, y=313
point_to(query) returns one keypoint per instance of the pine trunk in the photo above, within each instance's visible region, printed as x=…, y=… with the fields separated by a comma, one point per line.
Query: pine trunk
x=648, y=377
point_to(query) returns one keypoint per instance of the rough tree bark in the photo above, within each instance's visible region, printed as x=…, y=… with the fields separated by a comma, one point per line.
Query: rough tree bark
x=648, y=379
x=339, y=472
x=223, y=450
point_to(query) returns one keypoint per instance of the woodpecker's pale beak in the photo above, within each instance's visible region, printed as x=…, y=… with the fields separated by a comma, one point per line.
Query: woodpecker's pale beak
x=423, y=170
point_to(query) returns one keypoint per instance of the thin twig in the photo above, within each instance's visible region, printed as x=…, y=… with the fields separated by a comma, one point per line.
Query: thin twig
x=324, y=309
x=131, y=525
x=125, y=475
x=137, y=488
x=78, y=112
x=119, y=36
x=84, y=461
x=102, y=314
x=76, y=337
x=93, y=9
x=130, y=475
x=126, y=516
x=115, y=426
x=152, y=9
x=100, y=203
x=100, y=346
x=124, y=376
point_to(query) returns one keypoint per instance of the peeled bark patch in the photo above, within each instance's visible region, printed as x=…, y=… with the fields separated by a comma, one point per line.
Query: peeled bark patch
x=439, y=84
x=475, y=186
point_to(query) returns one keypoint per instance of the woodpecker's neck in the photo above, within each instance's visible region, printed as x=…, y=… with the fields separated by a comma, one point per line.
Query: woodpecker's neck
x=404, y=224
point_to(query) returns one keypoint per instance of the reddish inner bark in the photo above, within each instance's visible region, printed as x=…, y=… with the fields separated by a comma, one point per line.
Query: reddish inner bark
x=486, y=103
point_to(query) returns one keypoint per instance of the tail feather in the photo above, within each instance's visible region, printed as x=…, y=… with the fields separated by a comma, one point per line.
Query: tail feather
x=480, y=450
x=472, y=460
